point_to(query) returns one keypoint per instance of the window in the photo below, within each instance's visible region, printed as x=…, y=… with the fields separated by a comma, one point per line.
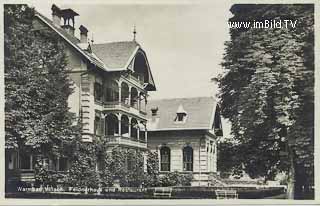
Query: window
x=53, y=164
x=187, y=158
x=112, y=92
x=180, y=117
x=134, y=128
x=97, y=91
x=165, y=159
x=25, y=161
x=124, y=126
x=98, y=126
x=12, y=160
x=63, y=164
x=112, y=125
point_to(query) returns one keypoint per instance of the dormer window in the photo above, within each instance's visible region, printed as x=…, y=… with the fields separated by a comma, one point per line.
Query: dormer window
x=181, y=115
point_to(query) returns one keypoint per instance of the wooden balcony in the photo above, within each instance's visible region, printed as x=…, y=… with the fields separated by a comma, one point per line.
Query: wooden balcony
x=110, y=106
x=136, y=79
x=125, y=141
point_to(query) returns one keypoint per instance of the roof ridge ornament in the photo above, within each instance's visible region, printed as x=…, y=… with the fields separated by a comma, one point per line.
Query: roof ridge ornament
x=134, y=32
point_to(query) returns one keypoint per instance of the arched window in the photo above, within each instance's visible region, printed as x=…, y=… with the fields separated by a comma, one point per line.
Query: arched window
x=112, y=92
x=134, y=128
x=125, y=93
x=134, y=98
x=141, y=68
x=112, y=125
x=142, y=132
x=124, y=126
x=187, y=158
x=165, y=159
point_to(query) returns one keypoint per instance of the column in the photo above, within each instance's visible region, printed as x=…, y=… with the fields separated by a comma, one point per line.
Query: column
x=129, y=126
x=119, y=123
x=129, y=98
x=145, y=162
x=138, y=132
x=145, y=133
x=139, y=102
x=31, y=162
x=145, y=104
x=120, y=94
x=58, y=164
x=103, y=126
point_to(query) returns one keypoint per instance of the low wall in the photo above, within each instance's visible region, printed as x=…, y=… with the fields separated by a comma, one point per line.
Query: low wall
x=187, y=192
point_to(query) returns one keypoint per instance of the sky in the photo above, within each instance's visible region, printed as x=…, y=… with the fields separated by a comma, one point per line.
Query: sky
x=184, y=43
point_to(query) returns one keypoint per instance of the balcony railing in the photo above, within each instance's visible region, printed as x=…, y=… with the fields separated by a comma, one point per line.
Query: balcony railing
x=121, y=105
x=136, y=79
x=121, y=140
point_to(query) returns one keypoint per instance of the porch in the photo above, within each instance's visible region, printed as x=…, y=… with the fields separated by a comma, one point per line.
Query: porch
x=118, y=128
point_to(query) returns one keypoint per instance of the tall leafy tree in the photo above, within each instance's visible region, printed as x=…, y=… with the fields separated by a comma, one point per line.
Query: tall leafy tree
x=36, y=87
x=267, y=92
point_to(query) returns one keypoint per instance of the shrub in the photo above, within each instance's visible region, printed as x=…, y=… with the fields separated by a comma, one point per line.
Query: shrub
x=175, y=179
x=82, y=172
x=125, y=166
x=152, y=176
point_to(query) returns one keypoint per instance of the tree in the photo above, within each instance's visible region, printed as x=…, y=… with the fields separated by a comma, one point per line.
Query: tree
x=267, y=92
x=36, y=87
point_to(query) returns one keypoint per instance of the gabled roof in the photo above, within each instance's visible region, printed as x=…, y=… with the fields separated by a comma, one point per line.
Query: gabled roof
x=116, y=55
x=200, y=114
x=72, y=40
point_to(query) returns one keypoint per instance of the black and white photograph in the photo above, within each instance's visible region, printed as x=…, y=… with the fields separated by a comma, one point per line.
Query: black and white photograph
x=166, y=101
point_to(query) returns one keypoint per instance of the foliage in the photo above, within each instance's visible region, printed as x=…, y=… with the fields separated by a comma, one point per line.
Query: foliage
x=37, y=88
x=175, y=179
x=43, y=176
x=152, y=176
x=228, y=159
x=121, y=164
x=82, y=172
x=267, y=91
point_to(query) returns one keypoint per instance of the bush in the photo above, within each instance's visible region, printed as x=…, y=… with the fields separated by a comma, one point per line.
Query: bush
x=83, y=166
x=125, y=166
x=175, y=179
x=152, y=176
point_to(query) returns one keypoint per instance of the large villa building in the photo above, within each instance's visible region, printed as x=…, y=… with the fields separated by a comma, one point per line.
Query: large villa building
x=111, y=85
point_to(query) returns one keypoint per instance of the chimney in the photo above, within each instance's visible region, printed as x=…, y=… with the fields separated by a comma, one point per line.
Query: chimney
x=83, y=34
x=154, y=111
x=67, y=15
x=56, y=16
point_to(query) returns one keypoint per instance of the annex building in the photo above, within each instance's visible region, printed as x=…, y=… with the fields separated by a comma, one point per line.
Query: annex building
x=185, y=133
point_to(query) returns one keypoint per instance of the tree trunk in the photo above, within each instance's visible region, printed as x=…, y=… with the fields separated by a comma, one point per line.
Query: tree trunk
x=291, y=175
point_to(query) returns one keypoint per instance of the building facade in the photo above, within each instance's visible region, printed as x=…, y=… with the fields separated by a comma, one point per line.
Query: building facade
x=184, y=132
x=111, y=82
